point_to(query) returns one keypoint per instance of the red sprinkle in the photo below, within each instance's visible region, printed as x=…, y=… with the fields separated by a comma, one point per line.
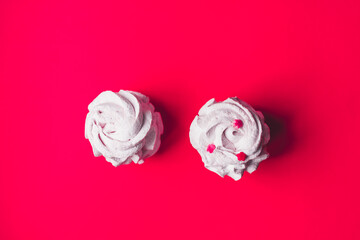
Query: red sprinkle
x=211, y=148
x=241, y=156
x=238, y=123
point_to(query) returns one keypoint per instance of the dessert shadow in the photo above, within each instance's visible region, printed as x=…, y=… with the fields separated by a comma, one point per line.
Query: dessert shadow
x=282, y=139
x=168, y=138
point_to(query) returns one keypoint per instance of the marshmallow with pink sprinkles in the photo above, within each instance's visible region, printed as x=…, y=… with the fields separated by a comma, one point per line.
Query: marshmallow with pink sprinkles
x=230, y=137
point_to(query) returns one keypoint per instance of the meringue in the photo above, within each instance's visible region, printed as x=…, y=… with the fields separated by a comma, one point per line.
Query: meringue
x=230, y=137
x=123, y=127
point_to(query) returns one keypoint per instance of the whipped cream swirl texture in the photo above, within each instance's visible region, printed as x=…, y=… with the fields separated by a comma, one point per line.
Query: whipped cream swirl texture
x=123, y=127
x=230, y=136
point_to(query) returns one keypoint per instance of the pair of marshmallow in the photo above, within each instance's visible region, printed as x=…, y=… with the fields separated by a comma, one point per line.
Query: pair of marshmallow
x=230, y=136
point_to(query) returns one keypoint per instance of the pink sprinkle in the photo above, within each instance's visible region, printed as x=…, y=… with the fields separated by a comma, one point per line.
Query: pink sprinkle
x=241, y=156
x=238, y=123
x=211, y=148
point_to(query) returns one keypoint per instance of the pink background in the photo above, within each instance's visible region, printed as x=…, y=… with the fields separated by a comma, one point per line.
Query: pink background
x=297, y=61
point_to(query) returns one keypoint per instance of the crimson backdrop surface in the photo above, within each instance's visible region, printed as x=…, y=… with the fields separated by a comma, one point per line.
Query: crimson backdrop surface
x=297, y=61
